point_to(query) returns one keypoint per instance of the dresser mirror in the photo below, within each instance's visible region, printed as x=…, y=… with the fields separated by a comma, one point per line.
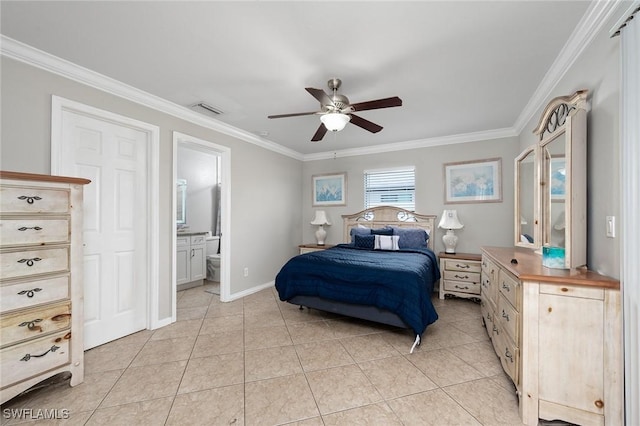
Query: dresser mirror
x=551, y=182
x=526, y=182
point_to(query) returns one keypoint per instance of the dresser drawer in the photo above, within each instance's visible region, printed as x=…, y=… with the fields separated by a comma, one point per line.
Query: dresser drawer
x=26, y=199
x=508, y=318
x=509, y=357
x=508, y=287
x=487, y=316
x=22, y=361
x=461, y=265
x=33, y=292
x=34, y=231
x=33, y=323
x=16, y=264
x=462, y=286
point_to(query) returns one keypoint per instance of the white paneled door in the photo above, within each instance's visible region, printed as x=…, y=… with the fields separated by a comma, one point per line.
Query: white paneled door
x=114, y=157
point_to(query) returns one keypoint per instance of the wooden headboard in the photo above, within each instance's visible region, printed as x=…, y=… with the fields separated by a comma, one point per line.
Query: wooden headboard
x=378, y=217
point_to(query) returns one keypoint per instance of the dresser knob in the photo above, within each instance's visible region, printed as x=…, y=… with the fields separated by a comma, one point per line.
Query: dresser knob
x=599, y=404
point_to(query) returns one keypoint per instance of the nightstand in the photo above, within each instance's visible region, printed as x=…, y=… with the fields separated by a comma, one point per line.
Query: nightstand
x=460, y=274
x=308, y=248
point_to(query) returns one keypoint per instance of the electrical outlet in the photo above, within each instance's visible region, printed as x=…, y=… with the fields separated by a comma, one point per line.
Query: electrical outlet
x=246, y=272
x=611, y=226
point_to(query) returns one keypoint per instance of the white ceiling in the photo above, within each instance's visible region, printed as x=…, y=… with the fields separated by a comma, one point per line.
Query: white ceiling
x=459, y=67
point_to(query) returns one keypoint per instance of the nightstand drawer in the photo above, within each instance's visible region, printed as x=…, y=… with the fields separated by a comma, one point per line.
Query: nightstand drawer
x=471, y=277
x=462, y=286
x=461, y=265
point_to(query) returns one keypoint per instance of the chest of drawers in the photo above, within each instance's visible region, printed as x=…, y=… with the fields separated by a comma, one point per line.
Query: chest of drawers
x=41, y=320
x=558, y=335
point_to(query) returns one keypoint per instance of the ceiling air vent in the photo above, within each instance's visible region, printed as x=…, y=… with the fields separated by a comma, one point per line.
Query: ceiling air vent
x=206, y=109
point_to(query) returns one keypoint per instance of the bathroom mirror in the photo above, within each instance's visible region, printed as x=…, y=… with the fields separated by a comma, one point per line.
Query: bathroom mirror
x=556, y=196
x=526, y=182
x=181, y=201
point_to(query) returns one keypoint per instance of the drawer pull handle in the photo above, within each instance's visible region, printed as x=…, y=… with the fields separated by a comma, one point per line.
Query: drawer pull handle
x=29, y=293
x=495, y=330
x=508, y=354
x=599, y=404
x=461, y=288
x=60, y=317
x=30, y=262
x=461, y=277
x=26, y=228
x=31, y=325
x=489, y=317
x=505, y=315
x=27, y=357
x=30, y=199
x=506, y=287
x=463, y=266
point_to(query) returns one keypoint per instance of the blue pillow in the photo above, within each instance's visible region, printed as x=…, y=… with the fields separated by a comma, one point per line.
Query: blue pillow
x=382, y=231
x=411, y=238
x=359, y=230
x=364, y=241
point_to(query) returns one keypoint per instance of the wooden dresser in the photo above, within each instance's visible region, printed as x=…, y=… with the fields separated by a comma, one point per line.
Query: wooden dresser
x=558, y=334
x=41, y=321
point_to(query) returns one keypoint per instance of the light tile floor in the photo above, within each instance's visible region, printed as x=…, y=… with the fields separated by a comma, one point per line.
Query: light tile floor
x=259, y=361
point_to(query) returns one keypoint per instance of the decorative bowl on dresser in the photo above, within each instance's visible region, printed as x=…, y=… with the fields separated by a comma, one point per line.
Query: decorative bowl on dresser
x=558, y=334
x=41, y=310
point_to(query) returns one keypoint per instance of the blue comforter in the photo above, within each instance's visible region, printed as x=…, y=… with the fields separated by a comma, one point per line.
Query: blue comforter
x=398, y=281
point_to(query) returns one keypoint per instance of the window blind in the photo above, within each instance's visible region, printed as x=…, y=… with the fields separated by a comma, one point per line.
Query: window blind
x=391, y=187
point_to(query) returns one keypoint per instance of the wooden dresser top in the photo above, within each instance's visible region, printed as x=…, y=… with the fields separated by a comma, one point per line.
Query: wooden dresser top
x=529, y=268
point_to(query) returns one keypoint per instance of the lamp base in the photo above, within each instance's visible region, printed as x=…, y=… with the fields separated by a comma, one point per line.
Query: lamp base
x=321, y=234
x=450, y=241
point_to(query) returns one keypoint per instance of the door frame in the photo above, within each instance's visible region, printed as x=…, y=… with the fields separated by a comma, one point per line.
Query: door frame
x=60, y=105
x=225, y=209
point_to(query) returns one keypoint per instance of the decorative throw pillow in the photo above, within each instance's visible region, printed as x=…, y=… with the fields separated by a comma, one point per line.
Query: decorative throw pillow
x=382, y=231
x=386, y=242
x=411, y=238
x=359, y=230
x=364, y=241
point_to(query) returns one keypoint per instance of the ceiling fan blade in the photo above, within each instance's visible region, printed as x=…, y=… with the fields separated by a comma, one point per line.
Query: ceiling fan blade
x=365, y=124
x=319, y=133
x=377, y=104
x=320, y=95
x=297, y=114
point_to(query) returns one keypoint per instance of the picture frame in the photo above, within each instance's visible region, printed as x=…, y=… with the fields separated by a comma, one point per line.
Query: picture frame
x=557, y=178
x=476, y=181
x=329, y=189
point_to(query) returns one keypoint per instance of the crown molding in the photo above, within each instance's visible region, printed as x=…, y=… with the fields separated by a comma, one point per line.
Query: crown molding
x=592, y=21
x=21, y=52
x=421, y=143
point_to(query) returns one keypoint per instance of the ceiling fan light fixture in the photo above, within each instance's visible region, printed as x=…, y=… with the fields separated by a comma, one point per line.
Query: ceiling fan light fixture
x=335, y=121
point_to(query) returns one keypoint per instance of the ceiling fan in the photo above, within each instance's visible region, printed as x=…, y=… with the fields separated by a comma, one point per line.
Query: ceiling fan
x=336, y=111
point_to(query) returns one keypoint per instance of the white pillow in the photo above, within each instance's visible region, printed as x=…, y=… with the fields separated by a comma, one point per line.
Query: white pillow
x=386, y=242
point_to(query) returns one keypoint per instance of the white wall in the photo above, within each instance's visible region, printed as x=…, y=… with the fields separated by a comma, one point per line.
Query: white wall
x=484, y=223
x=265, y=186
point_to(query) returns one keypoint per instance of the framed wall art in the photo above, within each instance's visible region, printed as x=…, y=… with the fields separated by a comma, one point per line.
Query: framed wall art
x=478, y=181
x=329, y=189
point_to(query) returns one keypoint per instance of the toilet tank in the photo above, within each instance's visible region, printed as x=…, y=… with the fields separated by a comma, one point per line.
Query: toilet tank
x=213, y=243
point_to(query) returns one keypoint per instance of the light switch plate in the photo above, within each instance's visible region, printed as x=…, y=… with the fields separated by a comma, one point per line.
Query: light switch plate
x=611, y=226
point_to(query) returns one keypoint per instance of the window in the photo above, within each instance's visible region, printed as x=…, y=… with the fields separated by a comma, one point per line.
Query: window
x=390, y=187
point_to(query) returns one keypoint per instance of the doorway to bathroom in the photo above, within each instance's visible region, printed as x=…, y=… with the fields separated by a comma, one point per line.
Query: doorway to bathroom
x=200, y=213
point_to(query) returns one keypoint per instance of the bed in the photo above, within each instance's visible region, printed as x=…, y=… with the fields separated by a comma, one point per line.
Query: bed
x=385, y=275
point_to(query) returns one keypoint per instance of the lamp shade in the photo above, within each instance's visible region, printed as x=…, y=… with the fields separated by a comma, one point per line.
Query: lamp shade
x=450, y=220
x=335, y=121
x=321, y=218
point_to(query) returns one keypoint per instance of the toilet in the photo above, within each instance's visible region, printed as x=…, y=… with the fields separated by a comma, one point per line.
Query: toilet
x=213, y=258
